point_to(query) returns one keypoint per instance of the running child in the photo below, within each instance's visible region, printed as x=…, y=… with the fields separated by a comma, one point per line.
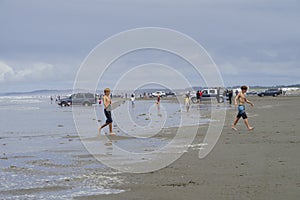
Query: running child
x=239, y=102
x=107, y=111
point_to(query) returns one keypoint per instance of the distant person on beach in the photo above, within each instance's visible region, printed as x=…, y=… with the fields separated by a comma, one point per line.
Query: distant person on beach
x=132, y=99
x=198, y=96
x=201, y=94
x=230, y=94
x=107, y=111
x=51, y=99
x=187, y=101
x=239, y=101
x=158, y=99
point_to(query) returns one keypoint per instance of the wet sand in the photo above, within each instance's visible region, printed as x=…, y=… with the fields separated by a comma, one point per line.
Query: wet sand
x=261, y=164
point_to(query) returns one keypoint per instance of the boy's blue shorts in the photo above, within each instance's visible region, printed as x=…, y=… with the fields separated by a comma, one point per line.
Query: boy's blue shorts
x=242, y=112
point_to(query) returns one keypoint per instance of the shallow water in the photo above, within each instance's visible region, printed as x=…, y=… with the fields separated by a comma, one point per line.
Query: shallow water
x=42, y=156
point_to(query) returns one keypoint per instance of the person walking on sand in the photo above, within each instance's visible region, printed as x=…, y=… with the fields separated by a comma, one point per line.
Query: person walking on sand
x=239, y=101
x=107, y=111
x=230, y=94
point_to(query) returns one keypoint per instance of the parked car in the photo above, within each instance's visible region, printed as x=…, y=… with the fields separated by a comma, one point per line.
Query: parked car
x=251, y=93
x=86, y=99
x=158, y=93
x=170, y=94
x=270, y=92
x=208, y=94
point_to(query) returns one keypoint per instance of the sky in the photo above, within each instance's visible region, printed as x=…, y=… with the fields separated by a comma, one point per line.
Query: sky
x=252, y=42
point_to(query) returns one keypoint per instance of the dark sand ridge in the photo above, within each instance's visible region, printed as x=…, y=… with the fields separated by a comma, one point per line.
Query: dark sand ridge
x=262, y=164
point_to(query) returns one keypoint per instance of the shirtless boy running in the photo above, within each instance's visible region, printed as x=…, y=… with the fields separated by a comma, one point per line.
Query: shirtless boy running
x=107, y=111
x=239, y=102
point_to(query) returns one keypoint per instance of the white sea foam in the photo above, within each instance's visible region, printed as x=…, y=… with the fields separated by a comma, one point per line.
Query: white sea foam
x=19, y=108
x=197, y=145
x=25, y=101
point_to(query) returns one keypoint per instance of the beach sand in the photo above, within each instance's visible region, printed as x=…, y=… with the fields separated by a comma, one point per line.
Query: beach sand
x=47, y=160
x=261, y=164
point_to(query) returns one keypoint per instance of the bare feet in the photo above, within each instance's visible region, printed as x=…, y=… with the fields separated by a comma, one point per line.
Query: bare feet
x=250, y=128
x=99, y=130
x=233, y=128
x=112, y=133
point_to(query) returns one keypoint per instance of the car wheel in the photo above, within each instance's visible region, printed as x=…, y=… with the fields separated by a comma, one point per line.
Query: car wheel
x=64, y=104
x=220, y=100
x=194, y=99
x=262, y=95
x=86, y=104
x=275, y=95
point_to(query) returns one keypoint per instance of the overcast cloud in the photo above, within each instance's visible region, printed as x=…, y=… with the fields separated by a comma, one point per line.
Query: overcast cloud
x=42, y=43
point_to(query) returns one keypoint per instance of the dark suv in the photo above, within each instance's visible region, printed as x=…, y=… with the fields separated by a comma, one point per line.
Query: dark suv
x=86, y=99
x=270, y=92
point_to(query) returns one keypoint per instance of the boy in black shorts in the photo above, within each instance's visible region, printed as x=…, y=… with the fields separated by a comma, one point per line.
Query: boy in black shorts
x=107, y=111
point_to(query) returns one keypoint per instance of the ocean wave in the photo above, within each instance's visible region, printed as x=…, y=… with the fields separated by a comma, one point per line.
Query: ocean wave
x=25, y=101
x=18, y=108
